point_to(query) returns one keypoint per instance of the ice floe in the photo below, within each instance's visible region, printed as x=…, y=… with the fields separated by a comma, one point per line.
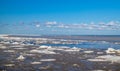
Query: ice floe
x=21, y=57
x=98, y=70
x=3, y=47
x=74, y=49
x=9, y=51
x=112, y=50
x=20, y=48
x=35, y=62
x=9, y=65
x=88, y=52
x=109, y=58
x=15, y=43
x=44, y=46
x=96, y=60
x=43, y=51
x=48, y=60
x=112, y=58
x=100, y=52
x=29, y=54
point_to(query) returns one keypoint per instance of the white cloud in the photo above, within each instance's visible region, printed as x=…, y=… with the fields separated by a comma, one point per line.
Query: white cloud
x=112, y=25
x=37, y=25
x=51, y=23
x=63, y=26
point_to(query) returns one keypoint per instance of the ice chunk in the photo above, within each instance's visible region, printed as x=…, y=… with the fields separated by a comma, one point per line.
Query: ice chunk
x=3, y=47
x=112, y=58
x=43, y=46
x=48, y=60
x=36, y=62
x=9, y=65
x=111, y=50
x=43, y=51
x=9, y=51
x=88, y=52
x=21, y=57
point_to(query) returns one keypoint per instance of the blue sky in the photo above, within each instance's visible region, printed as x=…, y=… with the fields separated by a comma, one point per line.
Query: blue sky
x=60, y=17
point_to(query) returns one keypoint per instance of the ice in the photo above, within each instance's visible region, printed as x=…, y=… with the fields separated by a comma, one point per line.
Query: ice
x=112, y=58
x=44, y=46
x=9, y=51
x=109, y=58
x=112, y=51
x=99, y=52
x=3, y=47
x=88, y=52
x=48, y=60
x=43, y=51
x=21, y=57
x=98, y=70
x=35, y=62
x=97, y=60
x=9, y=65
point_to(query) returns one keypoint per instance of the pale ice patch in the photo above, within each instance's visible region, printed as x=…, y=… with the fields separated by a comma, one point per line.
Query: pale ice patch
x=112, y=58
x=3, y=47
x=35, y=62
x=48, y=60
x=88, y=52
x=21, y=57
x=9, y=65
x=43, y=51
x=20, y=48
x=29, y=54
x=72, y=50
x=9, y=51
x=15, y=43
x=44, y=46
x=100, y=52
x=17, y=46
x=112, y=51
x=96, y=60
x=98, y=70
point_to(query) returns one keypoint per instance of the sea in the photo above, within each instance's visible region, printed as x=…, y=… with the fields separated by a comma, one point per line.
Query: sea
x=88, y=41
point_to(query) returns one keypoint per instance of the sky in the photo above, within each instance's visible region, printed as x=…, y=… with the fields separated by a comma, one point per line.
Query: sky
x=60, y=17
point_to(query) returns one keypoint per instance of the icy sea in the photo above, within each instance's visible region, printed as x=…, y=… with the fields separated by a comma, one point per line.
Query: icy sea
x=86, y=41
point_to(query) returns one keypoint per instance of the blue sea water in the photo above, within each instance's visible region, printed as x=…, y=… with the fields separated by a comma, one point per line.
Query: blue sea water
x=93, y=41
x=95, y=45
